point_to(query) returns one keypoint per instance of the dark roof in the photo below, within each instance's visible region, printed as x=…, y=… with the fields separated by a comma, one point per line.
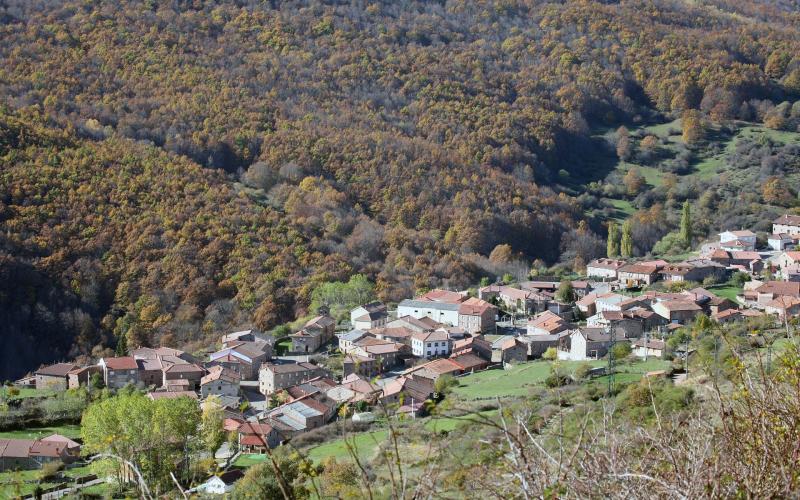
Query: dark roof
x=231, y=476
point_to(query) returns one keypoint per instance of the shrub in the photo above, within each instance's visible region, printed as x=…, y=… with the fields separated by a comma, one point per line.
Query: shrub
x=582, y=371
x=550, y=354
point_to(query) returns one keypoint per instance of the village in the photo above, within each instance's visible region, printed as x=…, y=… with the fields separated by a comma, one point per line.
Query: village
x=393, y=360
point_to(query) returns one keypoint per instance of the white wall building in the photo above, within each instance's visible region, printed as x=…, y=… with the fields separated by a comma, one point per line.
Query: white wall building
x=430, y=344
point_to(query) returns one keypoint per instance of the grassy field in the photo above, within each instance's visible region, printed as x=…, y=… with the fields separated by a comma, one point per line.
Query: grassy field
x=22, y=483
x=249, y=459
x=521, y=379
x=365, y=444
x=26, y=392
x=727, y=291
x=445, y=423
x=68, y=430
x=516, y=381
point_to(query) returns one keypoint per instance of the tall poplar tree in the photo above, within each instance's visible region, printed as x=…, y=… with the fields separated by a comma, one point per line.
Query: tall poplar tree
x=686, y=225
x=626, y=245
x=612, y=246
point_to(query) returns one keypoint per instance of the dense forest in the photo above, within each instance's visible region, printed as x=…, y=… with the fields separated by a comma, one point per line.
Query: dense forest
x=174, y=169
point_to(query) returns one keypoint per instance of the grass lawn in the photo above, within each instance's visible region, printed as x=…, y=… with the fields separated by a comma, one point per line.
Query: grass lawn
x=513, y=382
x=249, y=459
x=652, y=175
x=727, y=291
x=69, y=430
x=520, y=379
x=624, y=208
x=445, y=423
x=22, y=483
x=27, y=392
x=283, y=346
x=365, y=444
x=663, y=129
x=78, y=471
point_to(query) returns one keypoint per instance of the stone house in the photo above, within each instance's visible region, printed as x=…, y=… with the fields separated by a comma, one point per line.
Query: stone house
x=55, y=377
x=314, y=334
x=220, y=381
x=274, y=377
x=120, y=371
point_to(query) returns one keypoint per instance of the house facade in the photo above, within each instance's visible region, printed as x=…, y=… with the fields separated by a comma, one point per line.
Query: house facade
x=604, y=268
x=787, y=224
x=584, y=344
x=273, y=377
x=55, y=377
x=372, y=315
x=476, y=316
x=677, y=311
x=220, y=381
x=430, y=344
x=737, y=240
x=120, y=371
x=637, y=275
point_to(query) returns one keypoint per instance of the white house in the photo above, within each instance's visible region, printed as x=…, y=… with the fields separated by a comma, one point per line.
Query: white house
x=221, y=484
x=780, y=241
x=648, y=348
x=346, y=340
x=788, y=224
x=430, y=344
x=440, y=305
x=584, y=344
x=372, y=315
x=737, y=240
x=604, y=268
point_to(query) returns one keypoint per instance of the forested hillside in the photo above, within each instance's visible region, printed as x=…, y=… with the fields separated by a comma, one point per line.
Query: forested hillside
x=171, y=169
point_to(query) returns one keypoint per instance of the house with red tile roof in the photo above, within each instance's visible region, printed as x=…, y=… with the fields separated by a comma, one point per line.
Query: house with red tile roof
x=255, y=437
x=513, y=299
x=770, y=290
x=25, y=454
x=220, y=381
x=783, y=306
x=639, y=274
x=476, y=316
x=547, y=323
x=120, y=371
x=737, y=240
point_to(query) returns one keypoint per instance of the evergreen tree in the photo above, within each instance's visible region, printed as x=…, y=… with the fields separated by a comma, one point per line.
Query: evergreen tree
x=686, y=225
x=612, y=246
x=626, y=245
x=122, y=345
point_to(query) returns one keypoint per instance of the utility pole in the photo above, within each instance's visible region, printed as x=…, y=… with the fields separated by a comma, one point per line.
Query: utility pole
x=646, y=335
x=612, y=332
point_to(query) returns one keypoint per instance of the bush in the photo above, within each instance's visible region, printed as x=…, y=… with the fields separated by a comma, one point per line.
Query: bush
x=637, y=400
x=556, y=378
x=550, y=354
x=621, y=350
x=582, y=371
x=50, y=470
